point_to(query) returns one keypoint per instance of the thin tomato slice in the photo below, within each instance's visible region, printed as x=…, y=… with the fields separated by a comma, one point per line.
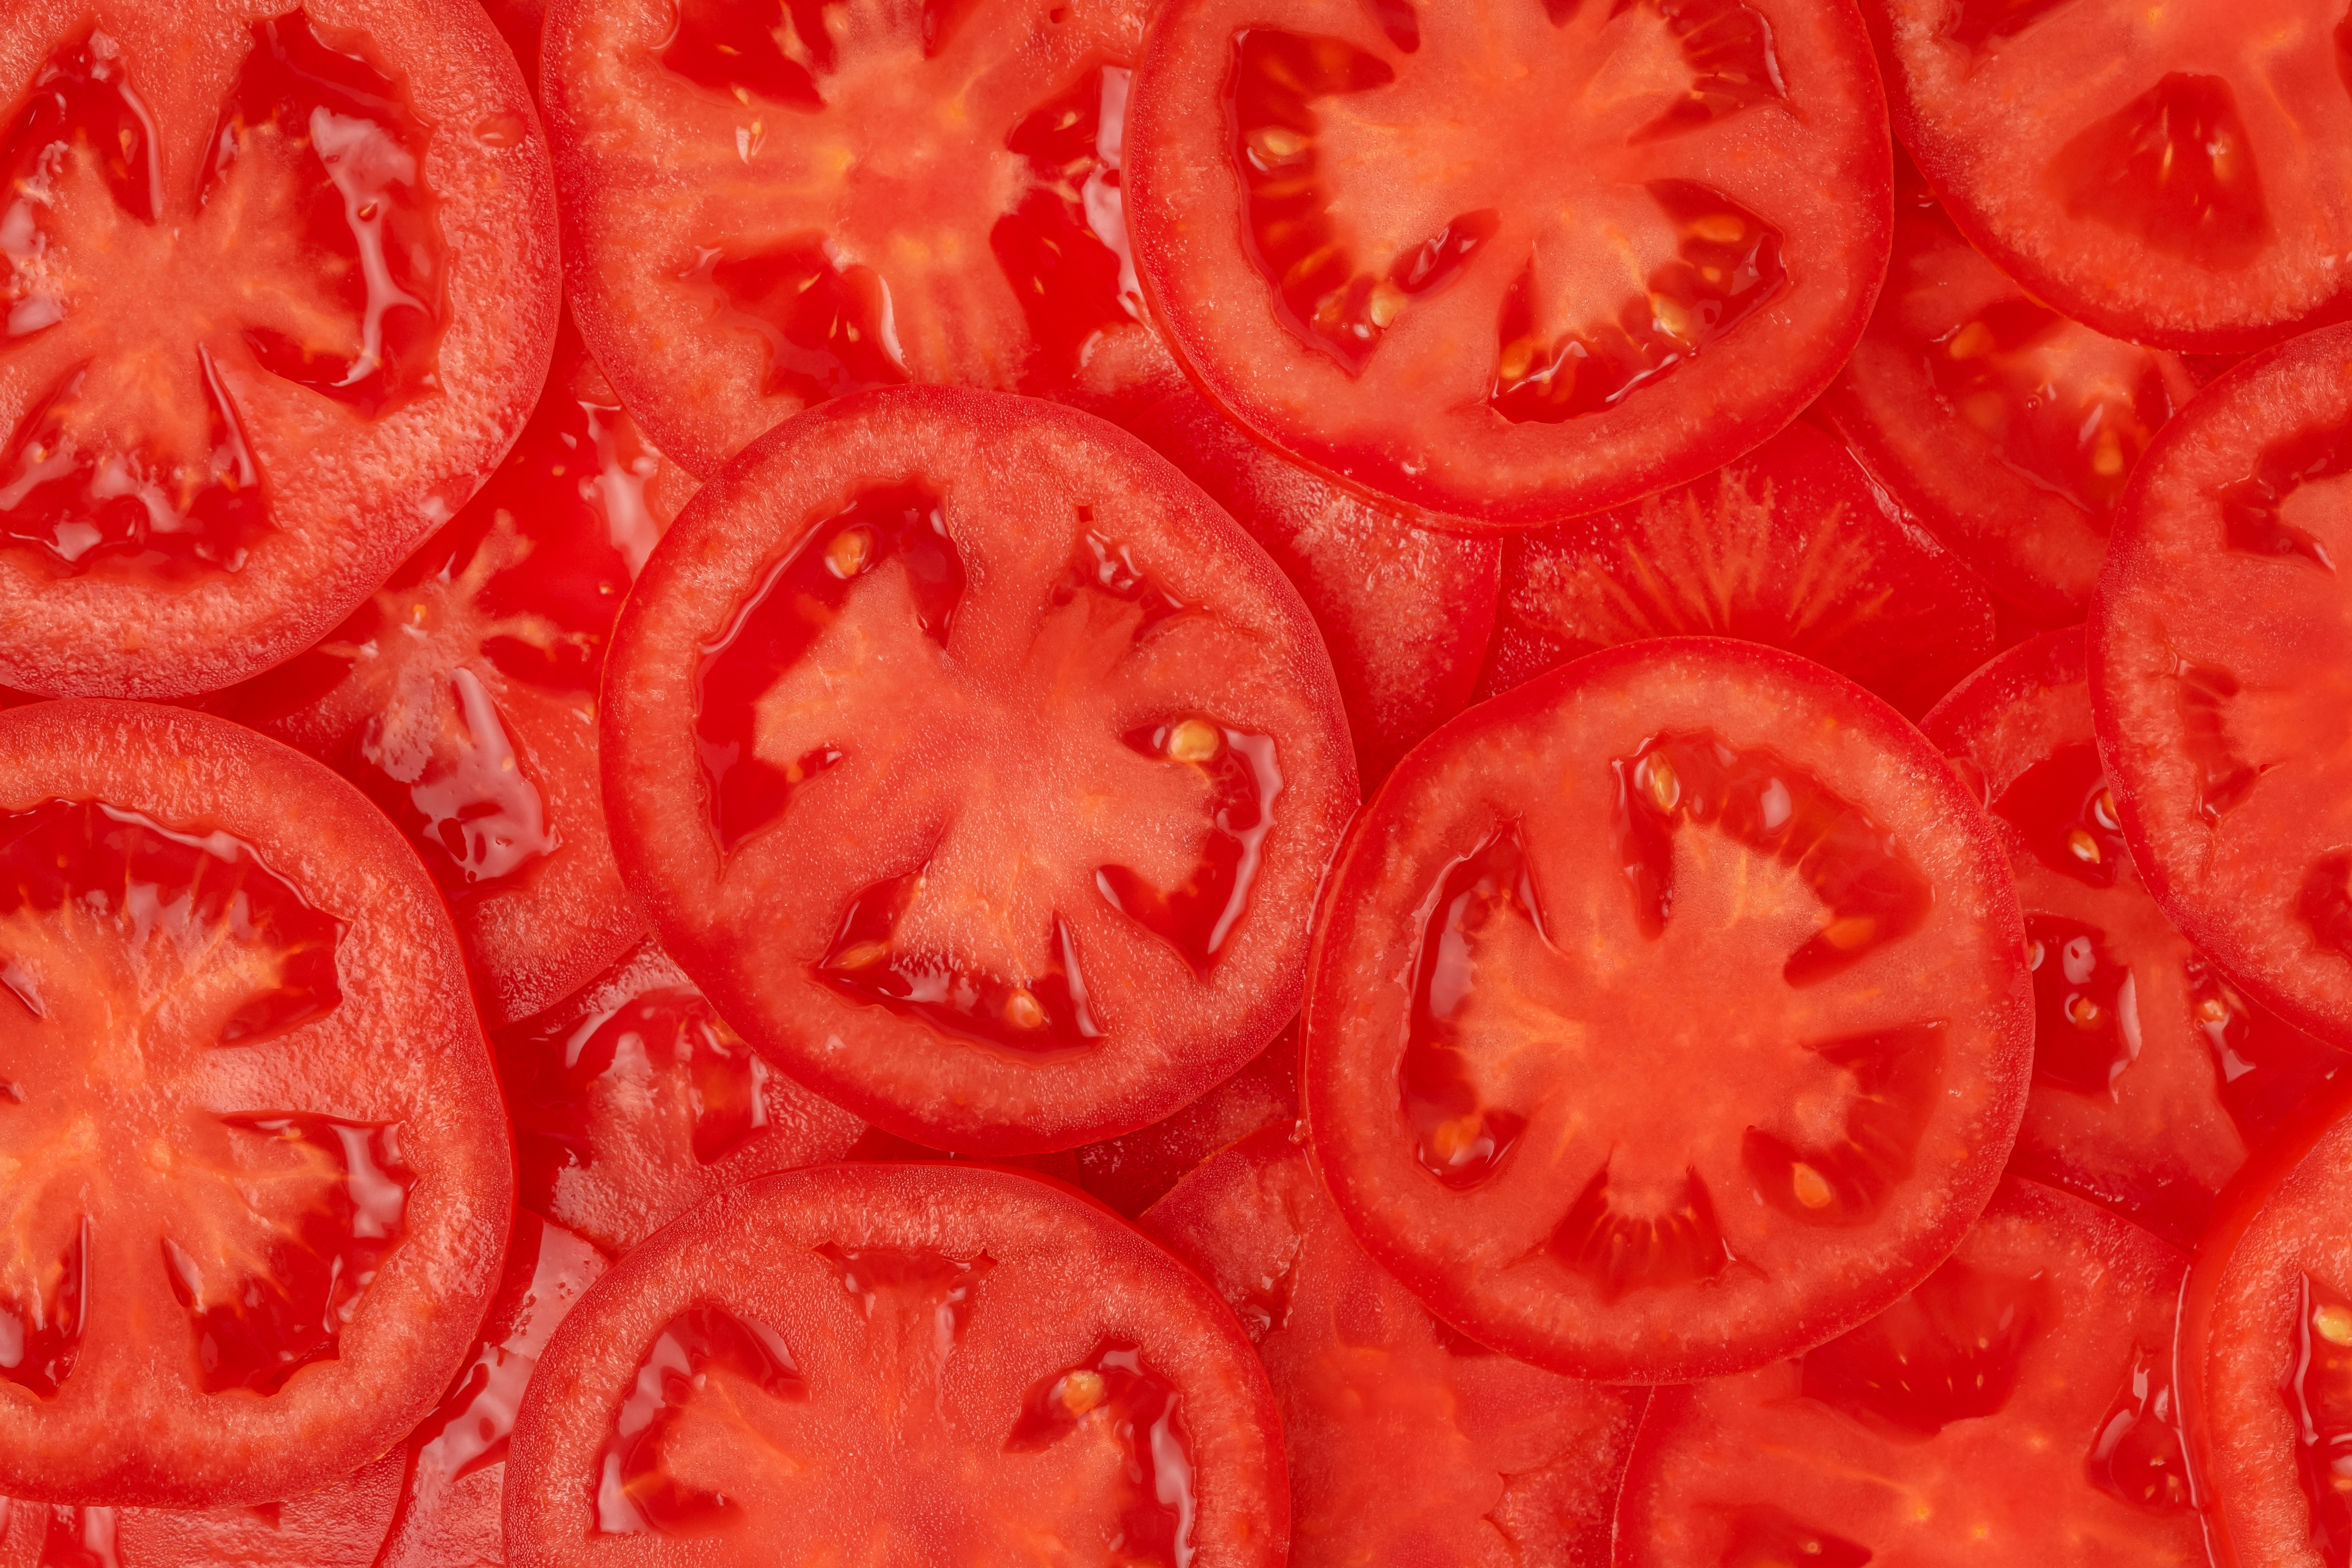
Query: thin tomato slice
x=278, y=290
x=1791, y=546
x=1509, y=263
x=769, y=202
x=1406, y=613
x=1407, y=1443
x=262, y=1180
x=2016, y=1407
x=1693, y=863
x=336, y=1527
x=908, y=1364
x=978, y=768
x=2222, y=628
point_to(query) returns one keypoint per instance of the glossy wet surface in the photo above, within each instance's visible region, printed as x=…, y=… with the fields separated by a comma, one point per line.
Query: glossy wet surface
x=2173, y=170
x=2318, y=1393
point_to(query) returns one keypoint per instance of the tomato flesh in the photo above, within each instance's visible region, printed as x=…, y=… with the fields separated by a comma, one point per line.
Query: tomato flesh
x=337, y=1526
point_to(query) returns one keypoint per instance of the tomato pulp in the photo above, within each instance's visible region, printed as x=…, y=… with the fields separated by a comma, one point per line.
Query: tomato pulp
x=337, y=1526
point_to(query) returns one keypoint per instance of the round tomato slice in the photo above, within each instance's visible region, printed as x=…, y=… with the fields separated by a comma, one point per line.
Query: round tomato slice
x=1790, y=545
x=1406, y=1443
x=769, y=202
x=2016, y=1407
x=896, y=1363
x=462, y=696
x=1512, y=263
x=1690, y=862
x=337, y=1526
x=2173, y=175
x=633, y=1102
x=260, y=1178
x=279, y=290
x=2153, y=1074
x=978, y=767
x=1406, y=613
x=2223, y=627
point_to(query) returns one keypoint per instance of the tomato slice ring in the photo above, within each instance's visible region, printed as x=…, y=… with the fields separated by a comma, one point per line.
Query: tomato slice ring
x=1492, y=263
x=1692, y=861
x=944, y=1358
x=2220, y=624
x=1016, y=764
x=280, y=1074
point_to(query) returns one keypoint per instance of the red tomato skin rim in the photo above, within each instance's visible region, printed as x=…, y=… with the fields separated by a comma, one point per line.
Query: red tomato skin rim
x=1971, y=1192
x=2048, y=659
x=1730, y=439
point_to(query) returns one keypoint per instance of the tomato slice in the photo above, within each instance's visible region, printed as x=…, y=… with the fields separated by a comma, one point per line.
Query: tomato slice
x=2172, y=175
x=337, y=1526
x=2017, y=1406
x=898, y=1363
x=2153, y=1074
x=1133, y=1172
x=2221, y=629
x=1694, y=862
x=633, y=1102
x=769, y=202
x=1406, y=1442
x=279, y=293
x=262, y=1177
x=978, y=767
x=1508, y=264
x=1790, y=545
x=1406, y=613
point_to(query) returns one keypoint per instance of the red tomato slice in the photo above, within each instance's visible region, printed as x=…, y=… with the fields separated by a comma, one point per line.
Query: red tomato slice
x=2174, y=176
x=2153, y=1074
x=633, y=1102
x=337, y=1526
x=1790, y=545
x=2016, y=1407
x=898, y=1363
x=1408, y=1444
x=769, y=202
x=2218, y=644
x=978, y=767
x=1509, y=263
x=1406, y=612
x=1689, y=862
x=278, y=292
x=462, y=696
x=262, y=1180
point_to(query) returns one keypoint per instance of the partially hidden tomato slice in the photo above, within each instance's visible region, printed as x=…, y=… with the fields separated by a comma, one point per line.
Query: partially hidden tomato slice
x=978, y=767
x=898, y=1363
x=2153, y=1074
x=1789, y=545
x=2221, y=630
x=1406, y=1442
x=1406, y=613
x=462, y=696
x=633, y=1102
x=769, y=202
x=2007, y=428
x=262, y=1184
x=1668, y=1014
x=2173, y=175
x=2017, y=1406
x=336, y=1527
x=1510, y=263
x=277, y=291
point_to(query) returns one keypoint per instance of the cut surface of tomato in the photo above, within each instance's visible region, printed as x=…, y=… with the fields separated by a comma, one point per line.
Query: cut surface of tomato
x=278, y=288
x=336, y=1527
x=462, y=697
x=1406, y=612
x=898, y=1363
x=2218, y=641
x=2173, y=175
x=633, y=1102
x=1507, y=264
x=2154, y=1075
x=1789, y=546
x=2016, y=1407
x=978, y=768
x=262, y=1180
x=1407, y=1443
x=769, y=202
x=1694, y=862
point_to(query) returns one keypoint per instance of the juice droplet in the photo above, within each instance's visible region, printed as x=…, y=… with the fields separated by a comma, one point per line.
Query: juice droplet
x=2086, y=1026
x=2137, y=1455
x=465, y=796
